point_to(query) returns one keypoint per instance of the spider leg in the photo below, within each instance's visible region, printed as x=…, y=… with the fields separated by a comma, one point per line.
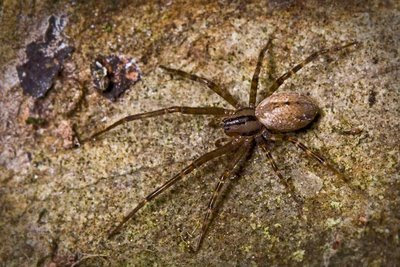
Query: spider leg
x=194, y=165
x=310, y=153
x=239, y=154
x=309, y=59
x=220, y=141
x=222, y=92
x=254, y=80
x=288, y=183
x=183, y=110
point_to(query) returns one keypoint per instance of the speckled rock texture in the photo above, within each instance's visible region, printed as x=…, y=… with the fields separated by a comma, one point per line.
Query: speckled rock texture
x=58, y=202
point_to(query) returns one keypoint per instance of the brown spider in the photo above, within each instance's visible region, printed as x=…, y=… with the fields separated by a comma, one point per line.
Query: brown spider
x=268, y=121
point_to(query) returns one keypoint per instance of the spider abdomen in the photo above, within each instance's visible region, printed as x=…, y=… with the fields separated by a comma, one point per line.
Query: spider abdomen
x=286, y=112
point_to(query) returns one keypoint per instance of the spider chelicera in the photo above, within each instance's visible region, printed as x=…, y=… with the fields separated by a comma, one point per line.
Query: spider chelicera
x=269, y=121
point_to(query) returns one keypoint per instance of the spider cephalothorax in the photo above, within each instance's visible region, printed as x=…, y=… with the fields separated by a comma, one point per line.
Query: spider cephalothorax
x=243, y=123
x=268, y=121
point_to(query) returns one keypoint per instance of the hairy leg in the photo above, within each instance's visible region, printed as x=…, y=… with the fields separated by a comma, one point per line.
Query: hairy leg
x=254, y=81
x=222, y=92
x=195, y=164
x=288, y=183
x=183, y=110
x=310, y=153
x=239, y=154
x=309, y=59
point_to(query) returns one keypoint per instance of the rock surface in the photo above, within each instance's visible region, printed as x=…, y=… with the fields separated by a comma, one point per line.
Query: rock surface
x=57, y=204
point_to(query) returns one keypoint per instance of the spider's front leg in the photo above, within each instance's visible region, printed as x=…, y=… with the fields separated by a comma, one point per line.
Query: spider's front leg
x=177, y=109
x=222, y=92
x=254, y=80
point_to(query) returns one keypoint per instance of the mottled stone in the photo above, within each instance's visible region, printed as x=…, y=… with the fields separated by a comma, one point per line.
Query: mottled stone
x=113, y=75
x=57, y=205
x=44, y=59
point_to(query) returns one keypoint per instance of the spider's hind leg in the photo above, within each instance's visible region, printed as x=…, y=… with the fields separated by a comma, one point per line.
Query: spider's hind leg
x=310, y=153
x=288, y=183
x=278, y=82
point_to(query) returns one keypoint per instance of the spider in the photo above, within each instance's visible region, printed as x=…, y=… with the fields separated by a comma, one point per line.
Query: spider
x=246, y=127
